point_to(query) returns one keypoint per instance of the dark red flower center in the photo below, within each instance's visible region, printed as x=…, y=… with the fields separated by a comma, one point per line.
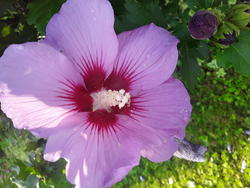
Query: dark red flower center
x=93, y=90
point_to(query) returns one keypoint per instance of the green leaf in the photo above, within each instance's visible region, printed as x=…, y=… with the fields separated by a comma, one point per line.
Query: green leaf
x=190, y=69
x=31, y=182
x=190, y=51
x=205, y=4
x=6, y=5
x=140, y=13
x=118, y=6
x=40, y=12
x=237, y=55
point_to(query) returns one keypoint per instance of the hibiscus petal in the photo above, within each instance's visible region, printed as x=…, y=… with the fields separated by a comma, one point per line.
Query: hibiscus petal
x=167, y=110
x=166, y=106
x=83, y=31
x=147, y=56
x=31, y=74
x=161, y=152
x=62, y=135
x=95, y=160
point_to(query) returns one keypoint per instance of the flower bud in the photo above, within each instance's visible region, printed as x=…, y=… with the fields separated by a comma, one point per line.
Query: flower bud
x=203, y=25
x=239, y=15
x=229, y=39
x=226, y=35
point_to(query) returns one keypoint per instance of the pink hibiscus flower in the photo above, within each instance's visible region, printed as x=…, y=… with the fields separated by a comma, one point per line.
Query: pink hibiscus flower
x=101, y=100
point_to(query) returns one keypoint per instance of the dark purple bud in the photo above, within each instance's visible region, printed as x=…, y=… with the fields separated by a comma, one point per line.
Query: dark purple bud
x=229, y=39
x=203, y=25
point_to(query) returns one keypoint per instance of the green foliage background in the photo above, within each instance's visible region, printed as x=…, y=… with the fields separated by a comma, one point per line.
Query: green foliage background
x=218, y=82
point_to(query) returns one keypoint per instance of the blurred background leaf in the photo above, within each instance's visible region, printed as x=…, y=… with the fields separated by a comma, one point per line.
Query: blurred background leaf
x=40, y=12
x=13, y=26
x=139, y=13
x=6, y=5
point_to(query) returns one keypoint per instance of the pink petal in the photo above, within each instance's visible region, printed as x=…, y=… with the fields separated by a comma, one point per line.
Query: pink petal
x=31, y=73
x=166, y=106
x=147, y=56
x=167, y=109
x=98, y=160
x=62, y=135
x=83, y=30
x=163, y=151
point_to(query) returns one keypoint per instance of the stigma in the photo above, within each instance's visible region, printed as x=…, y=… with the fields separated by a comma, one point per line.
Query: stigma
x=105, y=99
